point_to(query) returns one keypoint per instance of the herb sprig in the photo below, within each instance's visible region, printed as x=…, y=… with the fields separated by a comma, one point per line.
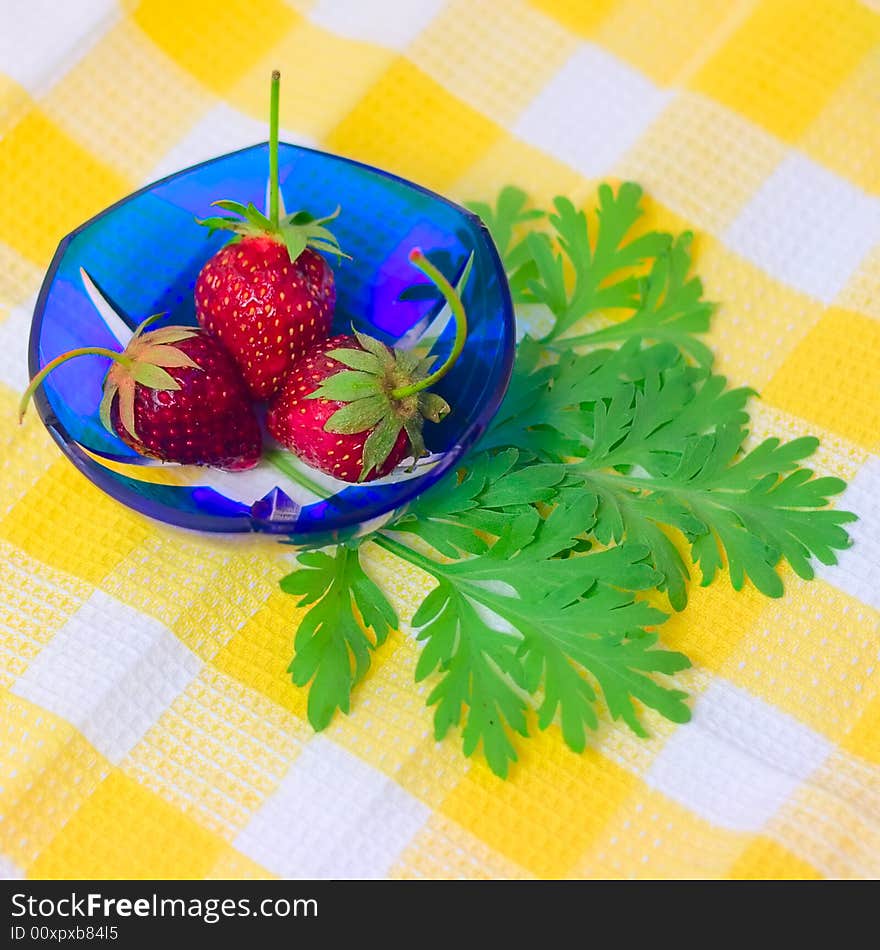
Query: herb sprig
x=617, y=448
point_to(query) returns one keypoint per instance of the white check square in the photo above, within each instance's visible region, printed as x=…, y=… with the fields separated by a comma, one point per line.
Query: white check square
x=591, y=112
x=42, y=39
x=857, y=571
x=386, y=23
x=15, y=333
x=220, y=130
x=807, y=227
x=333, y=816
x=738, y=761
x=111, y=672
x=10, y=871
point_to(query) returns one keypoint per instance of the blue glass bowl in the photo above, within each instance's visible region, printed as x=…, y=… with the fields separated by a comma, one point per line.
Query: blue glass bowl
x=142, y=256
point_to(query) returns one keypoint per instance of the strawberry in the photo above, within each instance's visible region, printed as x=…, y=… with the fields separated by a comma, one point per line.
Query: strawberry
x=354, y=407
x=268, y=295
x=298, y=419
x=175, y=395
x=265, y=305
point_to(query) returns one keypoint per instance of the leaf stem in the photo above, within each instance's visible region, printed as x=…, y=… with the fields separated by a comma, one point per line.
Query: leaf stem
x=419, y=260
x=54, y=364
x=281, y=461
x=414, y=557
x=273, y=148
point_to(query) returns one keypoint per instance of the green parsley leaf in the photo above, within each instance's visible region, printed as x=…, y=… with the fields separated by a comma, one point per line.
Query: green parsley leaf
x=670, y=307
x=500, y=628
x=753, y=509
x=332, y=643
x=614, y=450
x=491, y=496
x=505, y=221
x=610, y=272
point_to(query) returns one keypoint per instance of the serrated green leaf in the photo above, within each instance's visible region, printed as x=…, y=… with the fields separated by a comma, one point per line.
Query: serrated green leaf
x=598, y=470
x=332, y=643
x=566, y=624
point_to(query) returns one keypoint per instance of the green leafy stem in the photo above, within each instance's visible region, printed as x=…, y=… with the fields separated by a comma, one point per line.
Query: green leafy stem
x=617, y=457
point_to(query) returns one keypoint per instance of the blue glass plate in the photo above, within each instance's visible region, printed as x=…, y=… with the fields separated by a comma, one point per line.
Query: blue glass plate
x=142, y=256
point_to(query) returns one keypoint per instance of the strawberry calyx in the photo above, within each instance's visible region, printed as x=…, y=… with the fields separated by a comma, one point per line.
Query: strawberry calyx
x=295, y=231
x=385, y=389
x=145, y=362
x=368, y=387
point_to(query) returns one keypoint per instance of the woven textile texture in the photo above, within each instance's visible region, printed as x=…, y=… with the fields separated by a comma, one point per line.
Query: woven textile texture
x=148, y=726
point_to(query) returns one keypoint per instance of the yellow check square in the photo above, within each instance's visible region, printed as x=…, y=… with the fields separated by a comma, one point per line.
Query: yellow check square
x=781, y=67
x=409, y=124
x=500, y=61
x=846, y=134
x=833, y=377
x=444, y=850
x=125, y=831
x=259, y=654
x=552, y=810
x=579, y=17
x=216, y=43
x=134, y=120
x=323, y=76
x=759, y=321
x=653, y=837
x=764, y=860
x=863, y=739
x=47, y=772
x=50, y=185
x=71, y=525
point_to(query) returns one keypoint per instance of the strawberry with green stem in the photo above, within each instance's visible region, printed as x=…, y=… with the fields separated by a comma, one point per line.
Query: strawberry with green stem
x=176, y=395
x=268, y=295
x=355, y=408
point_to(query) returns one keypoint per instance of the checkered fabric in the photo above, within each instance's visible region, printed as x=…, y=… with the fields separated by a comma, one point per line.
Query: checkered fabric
x=148, y=726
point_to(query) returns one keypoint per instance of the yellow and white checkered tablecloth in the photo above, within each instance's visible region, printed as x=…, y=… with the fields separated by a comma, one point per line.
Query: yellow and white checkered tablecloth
x=148, y=727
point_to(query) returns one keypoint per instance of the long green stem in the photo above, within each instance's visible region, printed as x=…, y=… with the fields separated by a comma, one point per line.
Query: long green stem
x=281, y=461
x=273, y=148
x=54, y=364
x=407, y=554
x=461, y=329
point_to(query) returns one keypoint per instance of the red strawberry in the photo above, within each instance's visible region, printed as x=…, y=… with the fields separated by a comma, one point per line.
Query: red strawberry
x=268, y=295
x=265, y=307
x=338, y=410
x=182, y=403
